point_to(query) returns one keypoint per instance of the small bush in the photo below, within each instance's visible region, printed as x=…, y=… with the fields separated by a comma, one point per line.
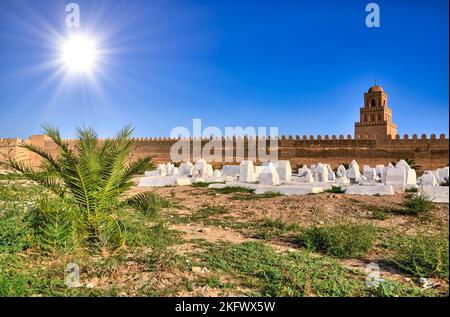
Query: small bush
x=411, y=190
x=380, y=215
x=417, y=203
x=347, y=240
x=148, y=203
x=336, y=190
x=395, y=289
x=53, y=222
x=200, y=184
x=423, y=255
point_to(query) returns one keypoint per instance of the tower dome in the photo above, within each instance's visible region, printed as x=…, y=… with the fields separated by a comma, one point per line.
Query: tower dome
x=375, y=88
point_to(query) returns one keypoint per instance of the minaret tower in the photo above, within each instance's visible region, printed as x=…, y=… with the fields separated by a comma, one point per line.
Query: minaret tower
x=375, y=119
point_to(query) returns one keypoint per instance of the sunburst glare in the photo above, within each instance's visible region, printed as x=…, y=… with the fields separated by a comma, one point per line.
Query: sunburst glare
x=79, y=53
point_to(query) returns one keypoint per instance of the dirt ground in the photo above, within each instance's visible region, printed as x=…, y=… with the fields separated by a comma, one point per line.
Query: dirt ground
x=304, y=211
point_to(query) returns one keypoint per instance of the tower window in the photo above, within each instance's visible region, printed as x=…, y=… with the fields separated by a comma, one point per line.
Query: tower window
x=373, y=103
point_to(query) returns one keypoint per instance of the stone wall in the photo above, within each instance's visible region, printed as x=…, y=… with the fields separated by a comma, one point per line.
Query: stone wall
x=429, y=152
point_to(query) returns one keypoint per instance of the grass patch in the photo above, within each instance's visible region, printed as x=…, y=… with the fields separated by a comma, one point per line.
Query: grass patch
x=395, y=289
x=270, y=228
x=336, y=190
x=293, y=274
x=259, y=267
x=12, y=176
x=200, y=184
x=422, y=255
x=208, y=215
x=417, y=203
x=234, y=189
x=380, y=215
x=213, y=210
x=14, y=231
x=269, y=194
x=346, y=240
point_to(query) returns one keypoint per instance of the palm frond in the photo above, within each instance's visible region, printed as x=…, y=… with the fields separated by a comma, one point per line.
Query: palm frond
x=48, y=158
x=48, y=181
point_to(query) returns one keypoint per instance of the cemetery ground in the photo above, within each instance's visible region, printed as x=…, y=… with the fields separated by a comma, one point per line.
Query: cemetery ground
x=197, y=241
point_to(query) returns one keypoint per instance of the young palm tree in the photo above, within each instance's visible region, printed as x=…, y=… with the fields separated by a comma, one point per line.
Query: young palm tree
x=92, y=174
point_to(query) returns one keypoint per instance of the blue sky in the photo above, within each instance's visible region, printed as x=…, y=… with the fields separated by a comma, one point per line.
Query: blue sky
x=301, y=66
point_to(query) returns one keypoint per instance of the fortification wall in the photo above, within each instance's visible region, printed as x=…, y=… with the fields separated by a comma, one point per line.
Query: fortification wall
x=429, y=152
x=10, y=147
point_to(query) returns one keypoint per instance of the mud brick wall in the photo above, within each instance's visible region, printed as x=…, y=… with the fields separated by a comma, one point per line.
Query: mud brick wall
x=428, y=151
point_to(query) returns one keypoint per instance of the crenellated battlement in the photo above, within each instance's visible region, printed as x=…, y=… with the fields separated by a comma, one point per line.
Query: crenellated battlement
x=429, y=151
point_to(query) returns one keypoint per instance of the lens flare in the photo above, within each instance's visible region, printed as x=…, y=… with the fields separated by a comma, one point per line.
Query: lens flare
x=79, y=54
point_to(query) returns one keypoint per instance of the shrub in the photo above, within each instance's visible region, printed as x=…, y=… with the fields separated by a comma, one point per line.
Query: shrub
x=148, y=203
x=336, y=190
x=423, y=255
x=411, y=190
x=200, y=184
x=380, y=215
x=388, y=288
x=54, y=224
x=417, y=203
x=346, y=240
x=279, y=223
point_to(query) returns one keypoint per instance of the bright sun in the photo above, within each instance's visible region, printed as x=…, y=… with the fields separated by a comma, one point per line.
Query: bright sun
x=79, y=54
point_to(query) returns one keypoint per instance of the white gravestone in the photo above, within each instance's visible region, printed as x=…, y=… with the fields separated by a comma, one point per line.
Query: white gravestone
x=353, y=173
x=331, y=174
x=443, y=174
x=246, y=172
x=284, y=171
x=186, y=169
x=269, y=176
x=369, y=172
x=302, y=171
x=200, y=168
x=161, y=170
x=396, y=176
x=341, y=170
x=342, y=180
x=428, y=179
x=258, y=170
x=410, y=174
x=230, y=170
x=379, y=169
x=383, y=174
x=320, y=173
